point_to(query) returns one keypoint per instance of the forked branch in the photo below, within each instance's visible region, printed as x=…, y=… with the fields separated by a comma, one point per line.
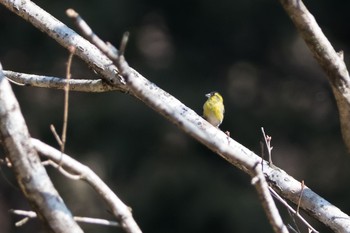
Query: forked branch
x=118, y=208
x=31, y=175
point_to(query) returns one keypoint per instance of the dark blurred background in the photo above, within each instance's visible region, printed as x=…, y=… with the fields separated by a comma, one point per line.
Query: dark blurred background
x=247, y=50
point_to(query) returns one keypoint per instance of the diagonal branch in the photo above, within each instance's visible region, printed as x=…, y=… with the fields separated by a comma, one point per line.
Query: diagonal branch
x=331, y=61
x=31, y=175
x=66, y=37
x=267, y=201
x=216, y=140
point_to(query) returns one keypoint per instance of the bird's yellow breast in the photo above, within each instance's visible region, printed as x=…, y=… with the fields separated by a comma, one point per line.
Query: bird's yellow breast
x=213, y=109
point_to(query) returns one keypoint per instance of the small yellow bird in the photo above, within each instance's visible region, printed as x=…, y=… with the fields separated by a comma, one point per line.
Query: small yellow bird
x=213, y=109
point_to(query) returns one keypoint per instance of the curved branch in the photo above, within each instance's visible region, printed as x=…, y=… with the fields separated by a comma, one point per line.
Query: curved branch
x=31, y=175
x=331, y=61
x=118, y=208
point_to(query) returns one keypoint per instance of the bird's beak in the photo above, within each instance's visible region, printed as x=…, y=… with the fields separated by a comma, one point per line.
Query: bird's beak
x=207, y=95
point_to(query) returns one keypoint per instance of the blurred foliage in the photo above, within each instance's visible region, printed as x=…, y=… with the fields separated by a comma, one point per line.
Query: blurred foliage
x=247, y=50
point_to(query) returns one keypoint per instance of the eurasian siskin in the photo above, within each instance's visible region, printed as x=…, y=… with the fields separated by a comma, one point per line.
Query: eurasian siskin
x=213, y=109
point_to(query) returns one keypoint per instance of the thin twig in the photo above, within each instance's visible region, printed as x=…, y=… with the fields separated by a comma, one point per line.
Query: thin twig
x=291, y=228
x=96, y=221
x=292, y=216
x=62, y=141
x=107, y=48
x=66, y=100
x=301, y=194
x=268, y=139
x=62, y=170
x=275, y=194
x=89, y=34
x=31, y=214
x=262, y=147
x=123, y=43
x=55, y=134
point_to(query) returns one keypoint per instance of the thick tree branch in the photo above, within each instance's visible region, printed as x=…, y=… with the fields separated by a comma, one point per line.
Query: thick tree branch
x=31, y=175
x=331, y=61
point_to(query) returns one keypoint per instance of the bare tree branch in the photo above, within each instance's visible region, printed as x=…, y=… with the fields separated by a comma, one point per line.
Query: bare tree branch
x=66, y=37
x=31, y=175
x=83, y=85
x=268, y=203
x=118, y=208
x=97, y=221
x=331, y=61
x=312, y=203
x=275, y=194
x=88, y=33
x=66, y=100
